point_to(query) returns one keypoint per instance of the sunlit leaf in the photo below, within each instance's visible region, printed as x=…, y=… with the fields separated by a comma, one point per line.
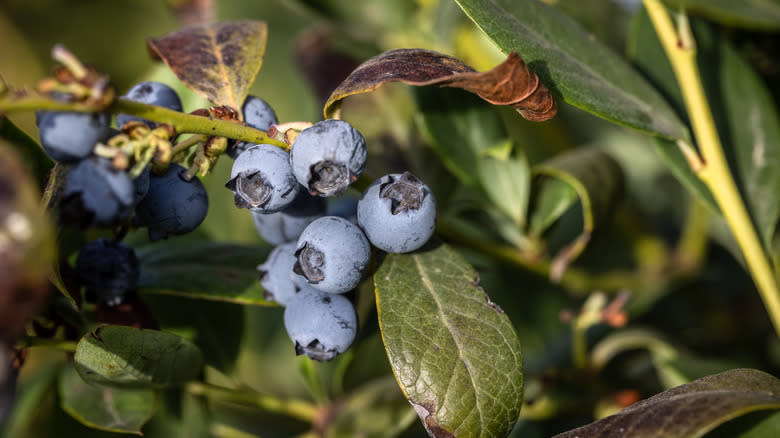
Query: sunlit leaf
x=454, y=352
x=690, y=410
x=101, y=407
x=573, y=65
x=127, y=357
x=219, y=61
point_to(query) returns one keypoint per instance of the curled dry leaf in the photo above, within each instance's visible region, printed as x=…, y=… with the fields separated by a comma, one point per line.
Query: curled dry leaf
x=509, y=83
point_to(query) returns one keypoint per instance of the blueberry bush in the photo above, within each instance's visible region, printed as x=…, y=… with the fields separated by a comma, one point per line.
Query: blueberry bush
x=344, y=219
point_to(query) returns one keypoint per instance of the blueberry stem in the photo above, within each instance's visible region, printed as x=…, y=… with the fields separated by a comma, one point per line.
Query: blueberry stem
x=58, y=344
x=61, y=54
x=298, y=409
x=188, y=143
x=183, y=123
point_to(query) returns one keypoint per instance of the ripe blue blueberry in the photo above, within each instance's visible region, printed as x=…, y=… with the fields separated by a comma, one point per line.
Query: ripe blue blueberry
x=328, y=156
x=257, y=114
x=397, y=213
x=344, y=207
x=261, y=179
x=108, y=270
x=96, y=193
x=173, y=205
x=321, y=325
x=277, y=276
x=288, y=224
x=68, y=137
x=152, y=93
x=332, y=254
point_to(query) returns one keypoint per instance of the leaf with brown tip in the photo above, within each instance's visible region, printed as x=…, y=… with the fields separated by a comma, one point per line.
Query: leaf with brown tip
x=219, y=61
x=509, y=83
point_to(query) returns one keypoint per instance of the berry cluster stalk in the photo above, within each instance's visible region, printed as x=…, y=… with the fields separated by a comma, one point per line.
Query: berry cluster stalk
x=713, y=169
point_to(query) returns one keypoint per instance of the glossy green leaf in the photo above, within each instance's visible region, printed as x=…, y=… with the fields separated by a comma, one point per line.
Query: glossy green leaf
x=203, y=269
x=583, y=71
x=756, y=14
x=127, y=357
x=101, y=407
x=454, y=352
x=597, y=180
x=219, y=61
x=690, y=410
x=745, y=114
x=553, y=198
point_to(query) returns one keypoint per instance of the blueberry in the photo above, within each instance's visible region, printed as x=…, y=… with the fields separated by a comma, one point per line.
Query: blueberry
x=277, y=276
x=257, y=114
x=8, y=374
x=108, y=270
x=68, y=137
x=173, y=205
x=397, y=213
x=261, y=179
x=141, y=184
x=152, y=93
x=288, y=224
x=321, y=325
x=328, y=156
x=97, y=193
x=332, y=254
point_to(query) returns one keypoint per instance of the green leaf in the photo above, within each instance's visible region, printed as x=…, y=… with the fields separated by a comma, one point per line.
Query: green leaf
x=583, y=71
x=203, y=269
x=507, y=182
x=745, y=114
x=690, y=410
x=219, y=61
x=100, y=407
x=595, y=177
x=127, y=357
x=552, y=199
x=460, y=127
x=760, y=424
x=755, y=14
x=454, y=352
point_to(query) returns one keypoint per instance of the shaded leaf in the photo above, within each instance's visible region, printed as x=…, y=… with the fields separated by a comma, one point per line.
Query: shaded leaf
x=690, y=410
x=193, y=12
x=745, y=114
x=127, y=357
x=219, y=61
x=454, y=352
x=376, y=409
x=460, y=128
x=507, y=182
x=756, y=14
x=100, y=407
x=203, y=269
x=597, y=180
x=760, y=424
x=509, y=83
x=583, y=71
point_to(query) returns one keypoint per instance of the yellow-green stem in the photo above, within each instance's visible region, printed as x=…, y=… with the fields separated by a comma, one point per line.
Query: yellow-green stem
x=298, y=409
x=715, y=173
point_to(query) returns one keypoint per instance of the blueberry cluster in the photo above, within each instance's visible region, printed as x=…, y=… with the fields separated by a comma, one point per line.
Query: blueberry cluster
x=99, y=192
x=322, y=254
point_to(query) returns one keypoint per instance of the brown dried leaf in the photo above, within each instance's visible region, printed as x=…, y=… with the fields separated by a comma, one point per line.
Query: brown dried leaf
x=219, y=61
x=509, y=83
x=193, y=12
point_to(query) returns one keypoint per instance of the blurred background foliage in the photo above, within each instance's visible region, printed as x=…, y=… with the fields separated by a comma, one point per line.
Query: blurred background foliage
x=710, y=316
